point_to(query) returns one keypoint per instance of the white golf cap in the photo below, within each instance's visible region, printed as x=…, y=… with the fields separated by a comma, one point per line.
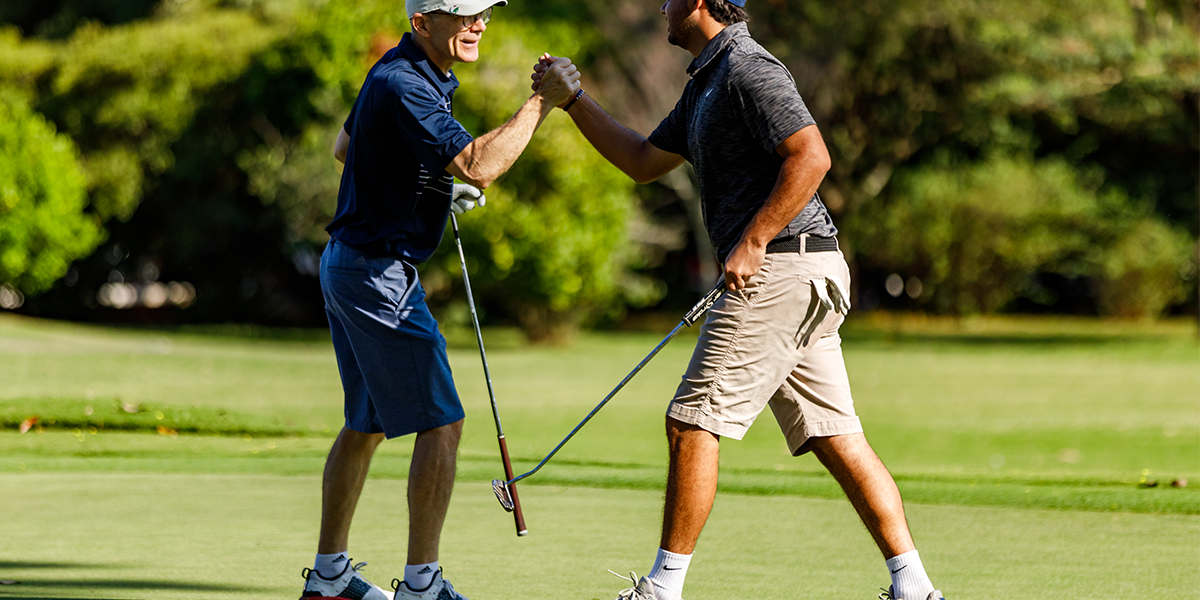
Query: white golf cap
x=454, y=7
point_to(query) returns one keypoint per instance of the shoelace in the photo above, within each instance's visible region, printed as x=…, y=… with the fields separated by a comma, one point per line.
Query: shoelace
x=628, y=593
x=886, y=595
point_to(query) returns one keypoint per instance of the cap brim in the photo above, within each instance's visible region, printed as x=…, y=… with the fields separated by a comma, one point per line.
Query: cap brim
x=474, y=8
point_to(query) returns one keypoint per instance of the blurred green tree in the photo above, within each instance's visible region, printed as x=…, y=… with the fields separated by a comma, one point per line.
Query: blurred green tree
x=909, y=91
x=42, y=223
x=974, y=233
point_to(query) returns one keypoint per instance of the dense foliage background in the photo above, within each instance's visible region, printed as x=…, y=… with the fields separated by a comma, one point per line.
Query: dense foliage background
x=169, y=161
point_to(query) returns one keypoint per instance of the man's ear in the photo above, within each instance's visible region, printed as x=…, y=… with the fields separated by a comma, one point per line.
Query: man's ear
x=420, y=24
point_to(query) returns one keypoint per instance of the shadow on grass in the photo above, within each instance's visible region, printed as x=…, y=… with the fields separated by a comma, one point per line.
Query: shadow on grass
x=6, y=596
x=25, y=564
x=27, y=586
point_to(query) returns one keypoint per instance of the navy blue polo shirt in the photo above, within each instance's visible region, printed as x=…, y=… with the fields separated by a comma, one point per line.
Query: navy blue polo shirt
x=394, y=198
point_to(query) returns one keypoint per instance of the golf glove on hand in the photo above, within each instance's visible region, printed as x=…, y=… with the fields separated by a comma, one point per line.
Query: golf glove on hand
x=465, y=197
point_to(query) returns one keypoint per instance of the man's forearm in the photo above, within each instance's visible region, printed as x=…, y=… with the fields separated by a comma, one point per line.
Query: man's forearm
x=490, y=155
x=798, y=180
x=624, y=148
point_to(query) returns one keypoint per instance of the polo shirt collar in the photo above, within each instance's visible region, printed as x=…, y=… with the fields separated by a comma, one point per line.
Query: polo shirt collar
x=716, y=46
x=411, y=51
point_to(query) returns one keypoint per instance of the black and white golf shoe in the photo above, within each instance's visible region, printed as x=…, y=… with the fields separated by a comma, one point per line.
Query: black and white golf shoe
x=439, y=589
x=349, y=585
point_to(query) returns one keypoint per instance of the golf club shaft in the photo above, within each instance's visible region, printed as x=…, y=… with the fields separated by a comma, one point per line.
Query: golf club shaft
x=688, y=319
x=487, y=375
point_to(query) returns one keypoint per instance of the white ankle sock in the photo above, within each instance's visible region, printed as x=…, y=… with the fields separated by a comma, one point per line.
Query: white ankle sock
x=418, y=577
x=330, y=566
x=909, y=581
x=669, y=571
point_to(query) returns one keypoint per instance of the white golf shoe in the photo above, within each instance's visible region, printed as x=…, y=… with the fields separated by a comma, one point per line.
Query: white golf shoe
x=887, y=595
x=349, y=585
x=439, y=589
x=643, y=589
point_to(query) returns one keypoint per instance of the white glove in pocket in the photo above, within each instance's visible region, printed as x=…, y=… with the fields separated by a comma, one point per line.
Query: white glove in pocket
x=832, y=294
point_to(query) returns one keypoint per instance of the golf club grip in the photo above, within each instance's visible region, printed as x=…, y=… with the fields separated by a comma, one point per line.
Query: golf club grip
x=512, y=489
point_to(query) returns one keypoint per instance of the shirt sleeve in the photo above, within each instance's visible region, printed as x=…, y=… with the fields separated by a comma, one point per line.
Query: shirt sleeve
x=671, y=133
x=427, y=125
x=770, y=105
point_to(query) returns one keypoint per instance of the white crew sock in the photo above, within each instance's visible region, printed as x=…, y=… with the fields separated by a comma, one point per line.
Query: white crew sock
x=330, y=566
x=418, y=577
x=669, y=571
x=909, y=581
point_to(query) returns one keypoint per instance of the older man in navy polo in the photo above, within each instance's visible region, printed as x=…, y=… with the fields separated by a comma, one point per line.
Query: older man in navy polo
x=402, y=149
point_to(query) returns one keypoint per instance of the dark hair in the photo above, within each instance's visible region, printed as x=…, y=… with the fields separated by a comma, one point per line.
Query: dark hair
x=726, y=13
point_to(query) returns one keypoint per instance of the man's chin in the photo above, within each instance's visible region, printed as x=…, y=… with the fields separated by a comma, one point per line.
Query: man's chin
x=467, y=52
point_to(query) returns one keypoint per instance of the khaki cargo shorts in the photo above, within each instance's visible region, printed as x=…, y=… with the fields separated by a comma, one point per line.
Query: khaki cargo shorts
x=774, y=342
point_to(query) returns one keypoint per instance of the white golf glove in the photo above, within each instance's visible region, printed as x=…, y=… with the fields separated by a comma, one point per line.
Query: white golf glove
x=465, y=197
x=839, y=295
x=832, y=294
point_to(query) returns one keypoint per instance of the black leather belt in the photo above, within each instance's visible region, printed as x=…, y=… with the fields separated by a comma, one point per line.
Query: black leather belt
x=811, y=244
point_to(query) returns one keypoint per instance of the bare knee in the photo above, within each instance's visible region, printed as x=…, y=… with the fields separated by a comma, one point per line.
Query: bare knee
x=680, y=434
x=841, y=448
x=357, y=441
x=445, y=436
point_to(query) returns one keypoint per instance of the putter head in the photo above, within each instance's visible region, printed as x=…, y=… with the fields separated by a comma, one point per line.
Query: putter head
x=502, y=494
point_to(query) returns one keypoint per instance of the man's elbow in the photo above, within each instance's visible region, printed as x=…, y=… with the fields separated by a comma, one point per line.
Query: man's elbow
x=823, y=163
x=817, y=163
x=340, y=155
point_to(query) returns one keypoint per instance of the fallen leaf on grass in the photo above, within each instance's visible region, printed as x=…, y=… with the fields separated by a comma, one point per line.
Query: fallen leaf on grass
x=9, y=582
x=26, y=425
x=167, y=431
x=129, y=408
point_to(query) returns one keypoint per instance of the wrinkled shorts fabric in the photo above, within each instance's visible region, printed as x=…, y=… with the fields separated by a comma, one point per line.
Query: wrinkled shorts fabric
x=776, y=343
x=390, y=354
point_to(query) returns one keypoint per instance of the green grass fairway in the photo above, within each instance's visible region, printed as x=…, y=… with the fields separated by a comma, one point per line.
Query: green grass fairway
x=186, y=465
x=149, y=536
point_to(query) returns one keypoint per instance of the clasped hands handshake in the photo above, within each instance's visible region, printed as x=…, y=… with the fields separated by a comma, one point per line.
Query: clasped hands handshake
x=557, y=80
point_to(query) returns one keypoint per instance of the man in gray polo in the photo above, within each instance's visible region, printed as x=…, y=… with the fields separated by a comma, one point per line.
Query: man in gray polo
x=772, y=339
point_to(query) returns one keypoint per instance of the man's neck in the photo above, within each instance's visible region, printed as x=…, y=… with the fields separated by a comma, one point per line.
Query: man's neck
x=443, y=63
x=707, y=29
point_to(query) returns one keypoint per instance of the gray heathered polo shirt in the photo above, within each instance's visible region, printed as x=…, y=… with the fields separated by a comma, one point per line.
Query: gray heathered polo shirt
x=740, y=104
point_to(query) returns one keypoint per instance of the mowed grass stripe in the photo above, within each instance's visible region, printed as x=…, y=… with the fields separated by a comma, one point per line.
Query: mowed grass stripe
x=130, y=453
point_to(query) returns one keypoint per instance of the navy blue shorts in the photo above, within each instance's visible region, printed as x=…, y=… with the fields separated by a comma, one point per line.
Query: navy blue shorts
x=391, y=356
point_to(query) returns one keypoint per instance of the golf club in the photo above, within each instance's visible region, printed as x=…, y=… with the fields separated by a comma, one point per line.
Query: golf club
x=506, y=493
x=514, y=502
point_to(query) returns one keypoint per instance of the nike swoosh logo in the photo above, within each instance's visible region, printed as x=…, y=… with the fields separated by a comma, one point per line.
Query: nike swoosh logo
x=670, y=569
x=900, y=569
